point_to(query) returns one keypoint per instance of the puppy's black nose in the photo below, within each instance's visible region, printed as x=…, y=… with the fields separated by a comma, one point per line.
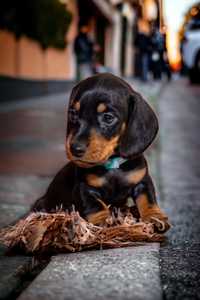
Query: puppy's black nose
x=78, y=149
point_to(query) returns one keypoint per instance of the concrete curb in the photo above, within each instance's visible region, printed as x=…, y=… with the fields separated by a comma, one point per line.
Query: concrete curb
x=128, y=273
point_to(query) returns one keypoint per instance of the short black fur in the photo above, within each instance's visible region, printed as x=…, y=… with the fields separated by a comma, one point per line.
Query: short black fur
x=70, y=187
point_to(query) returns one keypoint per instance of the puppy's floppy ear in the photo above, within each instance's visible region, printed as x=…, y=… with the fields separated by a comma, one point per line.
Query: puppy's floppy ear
x=72, y=97
x=74, y=92
x=141, y=129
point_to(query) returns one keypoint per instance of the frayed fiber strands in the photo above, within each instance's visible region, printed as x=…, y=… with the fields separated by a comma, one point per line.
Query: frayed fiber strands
x=68, y=232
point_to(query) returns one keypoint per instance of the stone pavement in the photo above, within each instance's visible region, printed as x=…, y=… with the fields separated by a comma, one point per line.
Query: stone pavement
x=31, y=149
x=179, y=113
x=32, y=134
x=118, y=274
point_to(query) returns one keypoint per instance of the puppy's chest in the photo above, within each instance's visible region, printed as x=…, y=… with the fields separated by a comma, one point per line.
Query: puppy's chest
x=115, y=185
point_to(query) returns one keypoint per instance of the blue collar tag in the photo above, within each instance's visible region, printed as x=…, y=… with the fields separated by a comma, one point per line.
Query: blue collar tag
x=114, y=163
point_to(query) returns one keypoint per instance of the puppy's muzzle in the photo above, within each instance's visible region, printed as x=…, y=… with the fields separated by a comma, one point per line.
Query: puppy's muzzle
x=78, y=149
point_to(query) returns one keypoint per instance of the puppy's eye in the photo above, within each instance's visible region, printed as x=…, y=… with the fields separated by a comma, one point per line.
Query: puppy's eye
x=108, y=118
x=73, y=116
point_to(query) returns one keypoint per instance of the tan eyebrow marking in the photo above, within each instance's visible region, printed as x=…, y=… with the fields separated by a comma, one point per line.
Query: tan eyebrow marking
x=77, y=106
x=136, y=176
x=101, y=107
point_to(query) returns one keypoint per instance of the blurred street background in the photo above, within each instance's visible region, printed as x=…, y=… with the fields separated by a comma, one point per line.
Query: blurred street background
x=46, y=46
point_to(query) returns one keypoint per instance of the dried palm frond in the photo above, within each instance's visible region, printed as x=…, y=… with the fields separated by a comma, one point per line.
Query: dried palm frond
x=68, y=232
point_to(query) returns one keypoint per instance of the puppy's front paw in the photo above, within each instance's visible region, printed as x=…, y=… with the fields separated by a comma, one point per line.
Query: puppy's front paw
x=100, y=216
x=159, y=220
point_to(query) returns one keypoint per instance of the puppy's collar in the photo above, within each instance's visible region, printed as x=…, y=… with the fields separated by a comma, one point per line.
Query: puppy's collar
x=114, y=163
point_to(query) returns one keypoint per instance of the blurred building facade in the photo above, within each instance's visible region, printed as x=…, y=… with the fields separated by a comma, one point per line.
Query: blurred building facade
x=112, y=25
x=24, y=58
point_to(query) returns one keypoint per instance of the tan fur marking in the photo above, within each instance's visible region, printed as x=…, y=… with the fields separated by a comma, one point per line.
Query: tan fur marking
x=148, y=210
x=136, y=176
x=101, y=108
x=95, y=181
x=152, y=213
x=100, y=216
x=77, y=106
x=99, y=149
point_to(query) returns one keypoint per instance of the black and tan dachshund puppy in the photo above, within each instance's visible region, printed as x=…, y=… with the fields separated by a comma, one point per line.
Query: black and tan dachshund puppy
x=109, y=127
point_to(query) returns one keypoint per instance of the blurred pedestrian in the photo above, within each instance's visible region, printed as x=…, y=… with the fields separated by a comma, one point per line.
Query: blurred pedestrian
x=157, y=52
x=166, y=66
x=143, y=44
x=98, y=66
x=83, y=47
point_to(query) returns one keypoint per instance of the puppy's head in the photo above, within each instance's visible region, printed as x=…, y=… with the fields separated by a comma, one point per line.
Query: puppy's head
x=105, y=117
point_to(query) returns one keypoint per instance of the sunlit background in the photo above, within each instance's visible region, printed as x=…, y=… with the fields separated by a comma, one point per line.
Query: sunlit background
x=174, y=12
x=37, y=37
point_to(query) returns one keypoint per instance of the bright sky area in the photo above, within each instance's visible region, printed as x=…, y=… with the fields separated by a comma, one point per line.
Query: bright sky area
x=174, y=11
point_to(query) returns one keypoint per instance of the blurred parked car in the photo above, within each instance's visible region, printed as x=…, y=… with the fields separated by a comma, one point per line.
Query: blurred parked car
x=191, y=46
